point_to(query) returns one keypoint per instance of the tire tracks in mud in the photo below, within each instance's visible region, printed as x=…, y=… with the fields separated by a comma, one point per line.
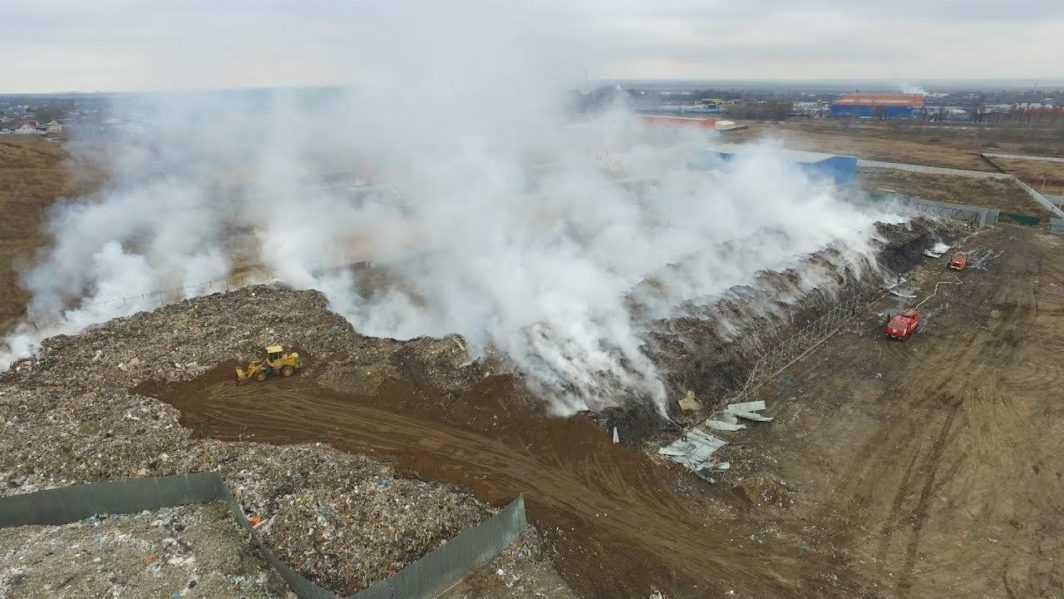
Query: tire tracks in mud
x=921, y=512
x=912, y=458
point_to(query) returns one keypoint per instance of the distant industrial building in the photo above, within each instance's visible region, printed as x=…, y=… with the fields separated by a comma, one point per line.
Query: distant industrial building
x=878, y=106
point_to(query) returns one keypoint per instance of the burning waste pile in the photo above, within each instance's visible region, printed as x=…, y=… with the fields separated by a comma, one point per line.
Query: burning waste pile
x=489, y=211
x=525, y=246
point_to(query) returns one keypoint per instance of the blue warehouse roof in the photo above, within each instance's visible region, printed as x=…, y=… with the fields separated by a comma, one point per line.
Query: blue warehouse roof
x=841, y=169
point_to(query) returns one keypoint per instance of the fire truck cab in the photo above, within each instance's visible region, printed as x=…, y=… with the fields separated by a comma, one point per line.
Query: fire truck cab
x=903, y=325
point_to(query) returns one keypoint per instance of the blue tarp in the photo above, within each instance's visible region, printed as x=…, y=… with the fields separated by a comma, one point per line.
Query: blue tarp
x=841, y=170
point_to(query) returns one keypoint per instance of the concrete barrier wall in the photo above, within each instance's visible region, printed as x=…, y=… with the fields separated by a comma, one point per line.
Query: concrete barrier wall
x=424, y=578
x=1041, y=199
x=972, y=214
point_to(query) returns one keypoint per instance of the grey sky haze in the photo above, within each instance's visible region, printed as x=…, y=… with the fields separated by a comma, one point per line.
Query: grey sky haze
x=124, y=45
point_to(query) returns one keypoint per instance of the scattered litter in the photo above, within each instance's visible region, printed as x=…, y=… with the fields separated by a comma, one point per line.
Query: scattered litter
x=694, y=451
x=754, y=416
x=981, y=259
x=748, y=411
x=720, y=425
x=746, y=406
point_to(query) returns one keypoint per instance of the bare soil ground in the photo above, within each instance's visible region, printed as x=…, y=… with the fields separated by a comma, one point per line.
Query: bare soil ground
x=33, y=174
x=1046, y=177
x=935, y=464
x=1002, y=194
x=945, y=146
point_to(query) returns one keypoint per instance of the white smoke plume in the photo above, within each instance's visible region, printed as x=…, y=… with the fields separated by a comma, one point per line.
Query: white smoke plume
x=494, y=215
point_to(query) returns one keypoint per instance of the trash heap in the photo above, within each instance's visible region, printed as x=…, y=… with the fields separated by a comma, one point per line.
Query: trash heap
x=695, y=449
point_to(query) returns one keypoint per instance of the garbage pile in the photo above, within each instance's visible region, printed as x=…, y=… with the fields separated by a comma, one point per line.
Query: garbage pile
x=69, y=416
x=187, y=551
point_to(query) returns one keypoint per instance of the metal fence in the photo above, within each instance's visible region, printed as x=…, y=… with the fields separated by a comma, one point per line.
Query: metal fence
x=776, y=353
x=424, y=578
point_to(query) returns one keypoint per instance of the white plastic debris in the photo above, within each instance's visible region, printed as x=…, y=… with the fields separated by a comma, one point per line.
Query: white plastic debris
x=748, y=411
x=937, y=250
x=721, y=425
x=694, y=451
x=754, y=416
x=746, y=406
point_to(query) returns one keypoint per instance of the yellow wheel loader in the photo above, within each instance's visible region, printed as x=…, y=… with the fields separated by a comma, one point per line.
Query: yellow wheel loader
x=276, y=362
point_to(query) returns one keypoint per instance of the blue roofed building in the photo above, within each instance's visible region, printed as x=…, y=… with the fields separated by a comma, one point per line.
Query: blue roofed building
x=839, y=169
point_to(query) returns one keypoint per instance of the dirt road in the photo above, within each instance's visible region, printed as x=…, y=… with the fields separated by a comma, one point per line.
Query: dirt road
x=939, y=462
x=915, y=143
x=621, y=526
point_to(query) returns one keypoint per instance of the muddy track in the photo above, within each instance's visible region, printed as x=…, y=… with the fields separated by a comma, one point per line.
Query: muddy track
x=938, y=448
x=622, y=530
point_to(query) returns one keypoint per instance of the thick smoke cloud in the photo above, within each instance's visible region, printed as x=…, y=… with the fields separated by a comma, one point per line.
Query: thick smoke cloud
x=491, y=212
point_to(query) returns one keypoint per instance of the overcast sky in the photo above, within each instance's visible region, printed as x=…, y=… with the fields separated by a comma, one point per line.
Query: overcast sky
x=121, y=45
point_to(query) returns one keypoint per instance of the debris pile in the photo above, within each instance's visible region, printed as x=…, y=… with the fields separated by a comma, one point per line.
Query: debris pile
x=710, y=350
x=195, y=550
x=696, y=447
x=70, y=415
